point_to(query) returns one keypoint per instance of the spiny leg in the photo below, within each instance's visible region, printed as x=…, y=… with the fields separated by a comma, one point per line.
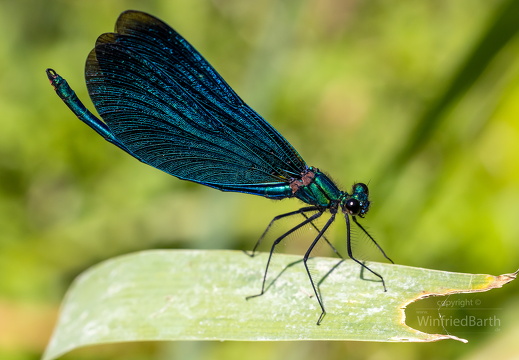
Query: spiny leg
x=365, y=232
x=350, y=252
x=276, y=242
x=324, y=237
x=279, y=217
x=305, y=261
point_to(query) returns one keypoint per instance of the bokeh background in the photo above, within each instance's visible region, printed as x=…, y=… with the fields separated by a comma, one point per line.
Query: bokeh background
x=420, y=99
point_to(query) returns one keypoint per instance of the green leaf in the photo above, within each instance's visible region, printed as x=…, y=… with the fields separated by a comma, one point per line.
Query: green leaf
x=200, y=295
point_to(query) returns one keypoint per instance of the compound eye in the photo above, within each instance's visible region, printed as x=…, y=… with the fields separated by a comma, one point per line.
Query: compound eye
x=352, y=206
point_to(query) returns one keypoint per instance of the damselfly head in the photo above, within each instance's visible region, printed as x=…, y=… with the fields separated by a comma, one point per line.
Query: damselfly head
x=357, y=204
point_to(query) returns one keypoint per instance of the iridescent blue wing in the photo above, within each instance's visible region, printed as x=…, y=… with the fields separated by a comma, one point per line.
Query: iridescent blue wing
x=165, y=103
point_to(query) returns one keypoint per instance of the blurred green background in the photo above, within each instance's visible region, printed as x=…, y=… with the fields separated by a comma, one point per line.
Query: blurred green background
x=420, y=99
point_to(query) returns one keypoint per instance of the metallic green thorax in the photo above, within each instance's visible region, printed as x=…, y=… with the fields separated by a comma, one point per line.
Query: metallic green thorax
x=316, y=188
